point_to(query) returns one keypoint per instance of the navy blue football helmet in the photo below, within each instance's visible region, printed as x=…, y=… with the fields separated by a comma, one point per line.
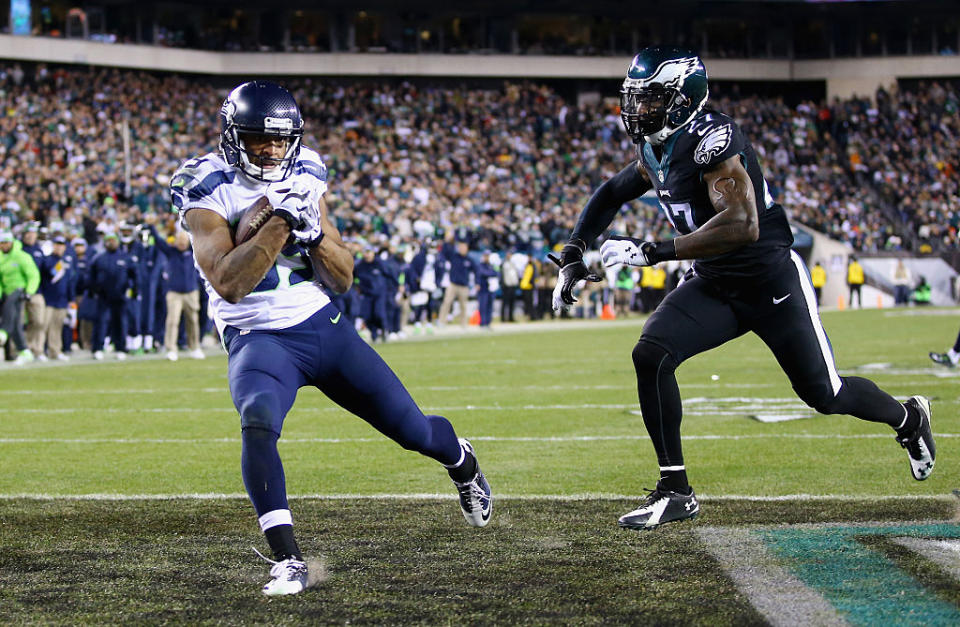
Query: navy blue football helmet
x=260, y=108
x=664, y=89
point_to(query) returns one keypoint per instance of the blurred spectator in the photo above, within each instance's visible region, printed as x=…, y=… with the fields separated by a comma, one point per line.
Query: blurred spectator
x=922, y=293
x=86, y=301
x=486, y=279
x=183, y=293
x=818, y=276
x=459, y=268
x=113, y=278
x=372, y=287
x=509, y=282
x=58, y=285
x=855, y=280
x=528, y=287
x=902, y=280
x=19, y=279
x=35, y=305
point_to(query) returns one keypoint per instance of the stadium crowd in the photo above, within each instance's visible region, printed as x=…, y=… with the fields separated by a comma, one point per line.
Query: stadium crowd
x=424, y=178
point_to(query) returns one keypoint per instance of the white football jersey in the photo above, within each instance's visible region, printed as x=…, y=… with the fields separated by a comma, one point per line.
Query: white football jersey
x=289, y=293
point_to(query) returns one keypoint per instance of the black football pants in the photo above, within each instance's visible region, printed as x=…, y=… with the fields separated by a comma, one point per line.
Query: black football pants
x=782, y=311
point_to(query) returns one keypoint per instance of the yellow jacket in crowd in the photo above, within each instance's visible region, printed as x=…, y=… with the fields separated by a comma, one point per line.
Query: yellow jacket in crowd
x=818, y=276
x=854, y=273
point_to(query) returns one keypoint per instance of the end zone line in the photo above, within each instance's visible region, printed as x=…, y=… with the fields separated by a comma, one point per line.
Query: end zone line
x=428, y=496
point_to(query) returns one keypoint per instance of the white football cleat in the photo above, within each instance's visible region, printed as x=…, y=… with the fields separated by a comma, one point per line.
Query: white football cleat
x=289, y=577
x=121, y=356
x=197, y=354
x=476, y=499
x=172, y=355
x=98, y=355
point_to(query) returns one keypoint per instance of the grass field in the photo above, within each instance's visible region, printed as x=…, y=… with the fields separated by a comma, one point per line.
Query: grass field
x=122, y=499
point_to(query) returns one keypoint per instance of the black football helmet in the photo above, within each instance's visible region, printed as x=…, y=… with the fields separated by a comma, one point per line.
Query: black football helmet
x=664, y=89
x=260, y=108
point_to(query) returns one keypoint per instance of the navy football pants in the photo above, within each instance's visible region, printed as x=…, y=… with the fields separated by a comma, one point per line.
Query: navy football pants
x=268, y=367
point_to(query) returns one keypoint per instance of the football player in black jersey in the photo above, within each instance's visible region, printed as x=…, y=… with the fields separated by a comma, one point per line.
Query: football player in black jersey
x=744, y=278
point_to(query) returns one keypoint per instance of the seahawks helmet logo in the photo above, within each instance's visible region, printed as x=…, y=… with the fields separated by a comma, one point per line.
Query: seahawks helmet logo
x=715, y=142
x=229, y=109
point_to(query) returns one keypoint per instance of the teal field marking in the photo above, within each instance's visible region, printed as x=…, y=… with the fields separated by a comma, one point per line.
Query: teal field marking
x=863, y=585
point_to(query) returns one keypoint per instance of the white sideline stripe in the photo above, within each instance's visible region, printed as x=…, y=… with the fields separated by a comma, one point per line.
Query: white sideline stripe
x=479, y=438
x=420, y=496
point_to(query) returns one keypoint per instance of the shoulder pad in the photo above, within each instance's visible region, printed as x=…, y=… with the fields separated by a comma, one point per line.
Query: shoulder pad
x=714, y=137
x=198, y=178
x=309, y=162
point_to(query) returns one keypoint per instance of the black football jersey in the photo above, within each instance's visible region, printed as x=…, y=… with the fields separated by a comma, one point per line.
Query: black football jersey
x=677, y=177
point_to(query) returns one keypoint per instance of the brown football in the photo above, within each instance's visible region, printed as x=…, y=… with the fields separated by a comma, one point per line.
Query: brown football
x=251, y=220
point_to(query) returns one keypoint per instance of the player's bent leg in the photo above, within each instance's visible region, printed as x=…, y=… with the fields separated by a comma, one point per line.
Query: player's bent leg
x=360, y=381
x=797, y=338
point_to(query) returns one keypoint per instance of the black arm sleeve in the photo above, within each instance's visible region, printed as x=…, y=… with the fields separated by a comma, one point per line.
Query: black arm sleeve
x=602, y=207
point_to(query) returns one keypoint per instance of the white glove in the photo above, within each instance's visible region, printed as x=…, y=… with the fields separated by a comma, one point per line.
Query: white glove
x=293, y=202
x=627, y=251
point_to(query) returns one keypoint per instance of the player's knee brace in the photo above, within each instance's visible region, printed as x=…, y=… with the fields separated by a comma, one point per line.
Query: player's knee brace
x=651, y=360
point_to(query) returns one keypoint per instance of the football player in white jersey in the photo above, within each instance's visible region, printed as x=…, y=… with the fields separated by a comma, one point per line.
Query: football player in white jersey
x=269, y=298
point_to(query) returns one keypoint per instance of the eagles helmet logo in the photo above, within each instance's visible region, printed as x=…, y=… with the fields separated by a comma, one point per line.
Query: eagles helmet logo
x=715, y=142
x=673, y=72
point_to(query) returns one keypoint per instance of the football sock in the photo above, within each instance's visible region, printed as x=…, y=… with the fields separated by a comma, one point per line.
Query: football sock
x=911, y=421
x=262, y=470
x=675, y=479
x=466, y=470
x=954, y=355
x=282, y=543
x=956, y=345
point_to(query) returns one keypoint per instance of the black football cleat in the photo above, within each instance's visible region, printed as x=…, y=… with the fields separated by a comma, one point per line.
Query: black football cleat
x=943, y=359
x=661, y=506
x=919, y=443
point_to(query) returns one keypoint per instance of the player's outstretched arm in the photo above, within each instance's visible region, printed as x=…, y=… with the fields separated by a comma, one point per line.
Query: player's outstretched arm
x=736, y=222
x=332, y=260
x=628, y=184
x=234, y=271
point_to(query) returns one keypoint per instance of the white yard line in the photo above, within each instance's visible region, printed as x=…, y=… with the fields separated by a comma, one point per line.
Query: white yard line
x=479, y=438
x=418, y=496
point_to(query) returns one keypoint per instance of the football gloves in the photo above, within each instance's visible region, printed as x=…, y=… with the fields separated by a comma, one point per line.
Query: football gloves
x=572, y=272
x=294, y=203
x=627, y=251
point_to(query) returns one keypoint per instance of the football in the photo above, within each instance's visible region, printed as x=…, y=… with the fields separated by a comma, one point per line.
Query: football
x=251, y=220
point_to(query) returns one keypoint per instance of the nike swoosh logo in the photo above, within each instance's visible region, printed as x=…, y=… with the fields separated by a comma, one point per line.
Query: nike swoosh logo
x=336, y=318
x=777, y=301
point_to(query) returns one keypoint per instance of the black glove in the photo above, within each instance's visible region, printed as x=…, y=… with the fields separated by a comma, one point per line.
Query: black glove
x=572, y=271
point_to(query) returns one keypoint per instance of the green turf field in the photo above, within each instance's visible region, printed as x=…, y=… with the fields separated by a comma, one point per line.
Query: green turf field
x=553, y=416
